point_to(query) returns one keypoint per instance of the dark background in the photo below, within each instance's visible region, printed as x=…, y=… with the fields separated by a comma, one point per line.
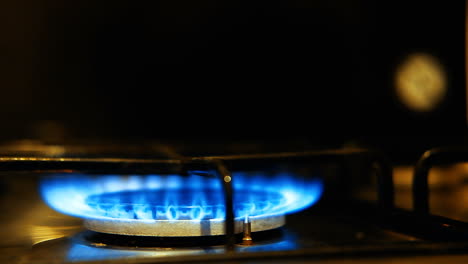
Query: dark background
x=286, y=74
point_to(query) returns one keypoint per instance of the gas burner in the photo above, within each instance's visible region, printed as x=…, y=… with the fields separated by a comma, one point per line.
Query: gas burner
x=179, y=205
x=176, y=212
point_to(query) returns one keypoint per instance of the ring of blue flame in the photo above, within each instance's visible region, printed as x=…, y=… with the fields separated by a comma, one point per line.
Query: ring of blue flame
x=176, y=197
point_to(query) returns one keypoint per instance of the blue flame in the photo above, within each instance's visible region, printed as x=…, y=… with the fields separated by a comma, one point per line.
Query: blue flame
x=176, y=197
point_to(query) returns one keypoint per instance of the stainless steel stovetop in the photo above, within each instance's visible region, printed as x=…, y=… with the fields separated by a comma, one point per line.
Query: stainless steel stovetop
x=344, y=226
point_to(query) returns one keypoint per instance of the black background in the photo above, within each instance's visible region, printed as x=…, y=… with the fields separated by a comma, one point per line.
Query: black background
x=313, y=73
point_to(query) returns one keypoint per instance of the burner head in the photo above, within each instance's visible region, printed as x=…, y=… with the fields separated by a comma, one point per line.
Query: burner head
x=178, y=228
x=181, y=212
x=176, y=205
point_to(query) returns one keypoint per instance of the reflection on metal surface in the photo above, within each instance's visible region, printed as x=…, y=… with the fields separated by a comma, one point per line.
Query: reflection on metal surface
x=448, y=190
x=43, y=233
x=30, y=147
x=81, y=250
x=439, y=176
x=420, y=82
x=80, y=247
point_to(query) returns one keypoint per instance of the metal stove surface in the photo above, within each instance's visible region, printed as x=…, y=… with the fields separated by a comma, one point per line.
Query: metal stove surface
x=347, y=232
x=34, y=233
x=74, y=244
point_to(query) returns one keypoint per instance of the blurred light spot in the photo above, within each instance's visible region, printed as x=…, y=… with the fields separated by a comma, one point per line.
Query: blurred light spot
x=420, y=82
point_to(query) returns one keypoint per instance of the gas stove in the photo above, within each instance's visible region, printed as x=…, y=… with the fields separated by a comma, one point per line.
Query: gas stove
x=342, y=205
x=124, y=123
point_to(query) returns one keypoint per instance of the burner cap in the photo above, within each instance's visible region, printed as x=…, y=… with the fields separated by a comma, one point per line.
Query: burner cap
x=178, y=228
x=180, y=212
